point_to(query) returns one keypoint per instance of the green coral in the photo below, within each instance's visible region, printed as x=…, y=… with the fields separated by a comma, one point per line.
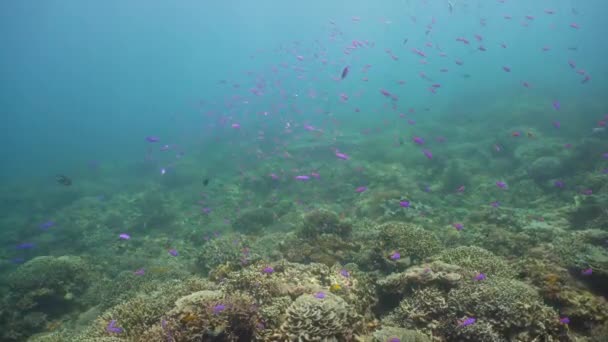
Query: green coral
x=582, y=250
x=230, y=250
x=424, y=308
x=514, y=309
x=477, y=259
x=310, y=318
x=145, y=310
x=478, y=332
x=404, y=335
x=46, y=283
x=408, y=239
x=209, y=315
x=252, y=221
x=321, y=221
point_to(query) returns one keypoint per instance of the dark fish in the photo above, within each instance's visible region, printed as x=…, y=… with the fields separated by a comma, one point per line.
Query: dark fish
x=405, y=41
x=205, y=181
x=63, y=180
x=573, y=48
x=345, y=72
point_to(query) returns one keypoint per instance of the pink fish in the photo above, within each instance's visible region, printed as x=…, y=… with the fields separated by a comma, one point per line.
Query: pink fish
x=342, y=156
x=361, y=189
x=574, y=26
x=428, y=154
x=385, y=92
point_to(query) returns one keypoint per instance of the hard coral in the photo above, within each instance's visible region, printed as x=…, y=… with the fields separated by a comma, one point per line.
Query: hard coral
x=422, y=310
x=515, y=310
x=476, y=259
x=435, y=273
x=321, y=221
x=404, y=335
x=47, y=283
x=252, y=221
x=408, y=239
x=311, y=318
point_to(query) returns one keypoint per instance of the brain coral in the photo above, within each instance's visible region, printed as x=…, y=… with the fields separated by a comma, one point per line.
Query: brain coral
x=310, y=318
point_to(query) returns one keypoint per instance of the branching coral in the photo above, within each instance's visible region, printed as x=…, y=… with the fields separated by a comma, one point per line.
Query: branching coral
x=408, y=239
x=476, y=259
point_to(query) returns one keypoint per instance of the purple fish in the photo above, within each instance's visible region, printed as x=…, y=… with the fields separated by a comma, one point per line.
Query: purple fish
x=124, y=236
x=112, y=328
x=152, y=139
x=428, y=154
x=480, y=277
x=564, y=320
x=268, y=270
x=558, y=184
x=502, y=185
x=394, y=339
x=342, y=156
x=302, y=178
x=218, y=308
x=395, y=255
x=418, y=140
x=467, y=321
x=361, y=189
x=46, y=225
x=404, y=204
x=26, y=245
x=173, y=252
x=344, y=273
x=139, y=272
x=320, y=295
x=556, y=105
x=557, y=124
x=495, y=204
x=458, y=226
x=587, y=271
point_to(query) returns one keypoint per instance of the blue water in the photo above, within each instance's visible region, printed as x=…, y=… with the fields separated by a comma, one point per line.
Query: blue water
x=229, y=88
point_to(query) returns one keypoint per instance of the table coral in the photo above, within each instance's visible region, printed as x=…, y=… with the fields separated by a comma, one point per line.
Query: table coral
x=408, y=239
x=477, y=259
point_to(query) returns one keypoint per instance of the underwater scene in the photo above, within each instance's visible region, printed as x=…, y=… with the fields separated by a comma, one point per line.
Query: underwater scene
x=371, y=171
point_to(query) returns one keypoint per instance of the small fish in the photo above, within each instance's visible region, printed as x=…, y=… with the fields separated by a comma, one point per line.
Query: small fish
x=506, y=68
x=112, y=328
x=139, y=272
x=418, y=140
x=395, y=256
x=558, y=184
x=302, y=178
x=205, y=181
x=235, y=126
x=320, y=295
x=344, y=273
x=495, y=204
x=268, y=270
x=405, y=41
x=342, y=156
x=467, y=321
x=152, y=139
x=173, y=252
x=502, y=185
x=124, y=236
x=458, y=226
x=361, y=189
x=46, y=225
x=218, y=308
x=556, y=105
x=25, y=245
x=345, y=72
x=404, y=204
x=63, y=180
x=564, y=320
x=428, y=154
x=479, y=277
x=587, y=271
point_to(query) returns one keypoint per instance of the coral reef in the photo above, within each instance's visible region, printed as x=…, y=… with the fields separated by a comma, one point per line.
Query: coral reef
x=408, y=239
x=324, y=317
x=477, y=259
x=436, y=273
x=320, y=221
x=252, y=221
x=388, y=334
